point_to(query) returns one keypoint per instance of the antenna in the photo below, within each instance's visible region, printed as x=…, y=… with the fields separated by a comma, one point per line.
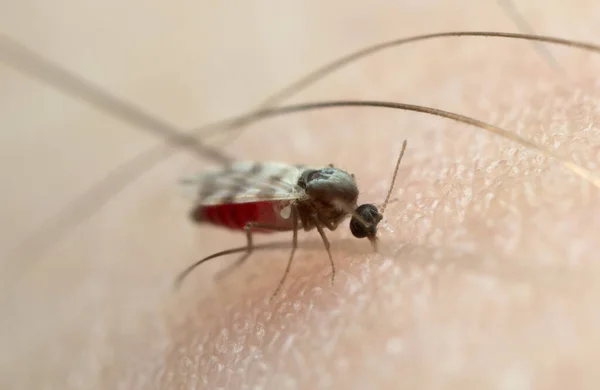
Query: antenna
x=366, y=217
x=387, y=198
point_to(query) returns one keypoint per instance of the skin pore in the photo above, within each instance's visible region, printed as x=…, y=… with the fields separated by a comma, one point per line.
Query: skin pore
x=486, y=277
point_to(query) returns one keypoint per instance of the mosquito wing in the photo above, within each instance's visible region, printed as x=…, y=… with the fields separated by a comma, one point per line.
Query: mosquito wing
x=245, y=182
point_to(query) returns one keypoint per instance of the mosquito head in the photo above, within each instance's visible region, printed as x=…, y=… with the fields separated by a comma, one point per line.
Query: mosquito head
x=366, y=217
x=364, y=222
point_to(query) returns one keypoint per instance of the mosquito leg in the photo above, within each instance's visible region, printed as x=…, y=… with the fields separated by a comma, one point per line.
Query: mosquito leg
x=327, y=246
x=294, y=246
x=249, y=246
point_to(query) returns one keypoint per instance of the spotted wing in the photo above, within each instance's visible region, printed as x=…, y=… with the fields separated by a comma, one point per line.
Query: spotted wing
x=245, y=182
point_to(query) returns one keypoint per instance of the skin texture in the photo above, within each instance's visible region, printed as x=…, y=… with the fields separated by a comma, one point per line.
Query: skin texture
x=486, y=277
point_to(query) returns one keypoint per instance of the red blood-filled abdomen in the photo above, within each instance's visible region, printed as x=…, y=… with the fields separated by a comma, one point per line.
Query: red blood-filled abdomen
x=236, y=215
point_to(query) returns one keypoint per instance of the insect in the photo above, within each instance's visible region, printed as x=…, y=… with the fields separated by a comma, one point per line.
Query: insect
x=268, y=197
x=32, y=64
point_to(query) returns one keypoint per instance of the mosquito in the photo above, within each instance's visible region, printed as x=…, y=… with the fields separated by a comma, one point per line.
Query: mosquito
x=273, y=197
x=32, y=64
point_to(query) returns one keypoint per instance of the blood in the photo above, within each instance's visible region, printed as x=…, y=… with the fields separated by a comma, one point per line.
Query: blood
x=236, y=215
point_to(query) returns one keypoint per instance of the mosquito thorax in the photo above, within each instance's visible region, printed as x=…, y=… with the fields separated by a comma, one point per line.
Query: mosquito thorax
x=371, y=216
x=329, y=185
x=330, y=194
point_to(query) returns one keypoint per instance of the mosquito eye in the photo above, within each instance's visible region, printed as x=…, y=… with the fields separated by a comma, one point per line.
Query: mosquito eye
x=371, y=216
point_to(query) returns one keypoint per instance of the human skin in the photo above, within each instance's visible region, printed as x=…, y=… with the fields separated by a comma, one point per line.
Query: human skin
x=486, y=278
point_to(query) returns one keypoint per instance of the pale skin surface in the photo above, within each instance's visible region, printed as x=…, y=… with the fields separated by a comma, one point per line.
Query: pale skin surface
x=488, y=280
